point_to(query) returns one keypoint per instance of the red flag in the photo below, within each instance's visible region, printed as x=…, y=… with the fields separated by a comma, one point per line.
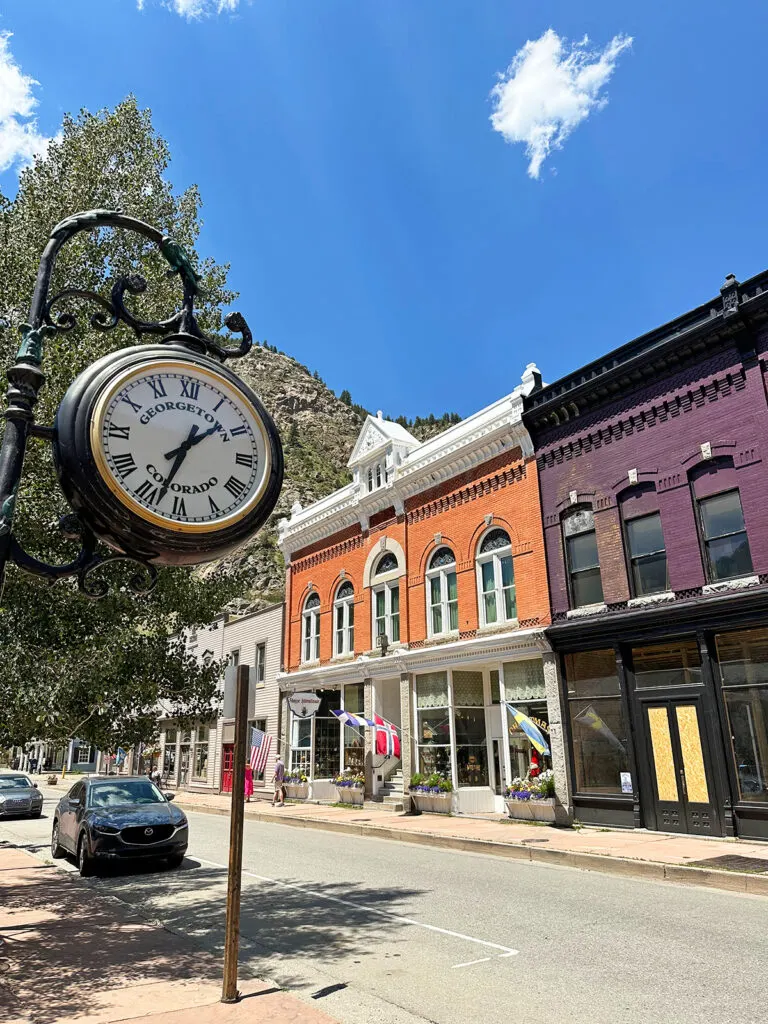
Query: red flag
x=387, y=738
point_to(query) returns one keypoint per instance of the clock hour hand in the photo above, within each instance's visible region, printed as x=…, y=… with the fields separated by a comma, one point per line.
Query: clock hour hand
x=181, y=454
x=191, y=442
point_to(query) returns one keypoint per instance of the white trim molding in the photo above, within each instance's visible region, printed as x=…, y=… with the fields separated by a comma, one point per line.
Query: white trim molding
x=411, y=467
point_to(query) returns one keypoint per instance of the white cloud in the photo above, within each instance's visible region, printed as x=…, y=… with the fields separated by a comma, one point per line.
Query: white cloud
x=550, y=87
x=191, y=9
x=20, y=140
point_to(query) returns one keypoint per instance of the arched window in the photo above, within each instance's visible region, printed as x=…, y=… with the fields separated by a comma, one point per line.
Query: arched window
x=370, y=479
x=496, y=578
x=378, y=474
x=442, y=596
x=585, y=582
x=311, y=647
x=344, y=619
x=386, y=599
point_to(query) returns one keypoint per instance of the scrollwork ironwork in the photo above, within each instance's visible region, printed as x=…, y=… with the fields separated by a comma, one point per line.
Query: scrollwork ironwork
x=98, y=589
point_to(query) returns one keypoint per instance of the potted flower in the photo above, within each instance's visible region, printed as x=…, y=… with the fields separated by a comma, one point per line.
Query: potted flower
x=350, y=787
x=431, y=792
x=532, y=799
x=296, y=785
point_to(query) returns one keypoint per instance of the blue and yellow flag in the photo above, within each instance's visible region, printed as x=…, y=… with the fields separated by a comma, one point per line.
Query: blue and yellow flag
x=532, y=731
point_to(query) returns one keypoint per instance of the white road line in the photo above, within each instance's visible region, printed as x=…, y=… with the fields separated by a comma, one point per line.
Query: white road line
x=471, y=963
x=505, y=950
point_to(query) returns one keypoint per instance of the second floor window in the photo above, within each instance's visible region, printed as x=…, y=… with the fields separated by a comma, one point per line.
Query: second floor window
x=311, y=629
x=260, y=664
x=441, y=592
x=496, y=578
x=344, y=619
x=647, y=555
x=586, y=585
x=724, y=536
x=386, y=611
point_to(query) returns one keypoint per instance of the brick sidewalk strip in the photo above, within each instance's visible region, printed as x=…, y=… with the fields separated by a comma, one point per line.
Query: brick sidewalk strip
x=71, y=955
x=734, y=865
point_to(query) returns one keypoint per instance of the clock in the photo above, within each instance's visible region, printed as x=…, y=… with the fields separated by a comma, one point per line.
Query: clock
x=167, y=454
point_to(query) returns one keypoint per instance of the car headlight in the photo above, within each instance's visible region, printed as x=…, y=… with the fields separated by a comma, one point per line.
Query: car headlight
x=182, y=823
x=106, y=830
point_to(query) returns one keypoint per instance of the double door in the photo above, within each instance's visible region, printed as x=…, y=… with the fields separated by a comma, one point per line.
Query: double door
x=682, y=797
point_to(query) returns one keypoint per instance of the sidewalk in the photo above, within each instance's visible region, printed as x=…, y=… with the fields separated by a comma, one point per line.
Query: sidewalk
x=70, y=955
x=735, y=865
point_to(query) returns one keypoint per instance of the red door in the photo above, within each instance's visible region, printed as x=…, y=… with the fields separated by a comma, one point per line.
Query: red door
x=227, y=763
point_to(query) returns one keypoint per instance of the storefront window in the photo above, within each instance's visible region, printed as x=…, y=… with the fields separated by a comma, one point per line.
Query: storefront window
x=169, y=753
x=200, y=763
x=469, y=723
x=433, y=727
x=743, y=660
x=301, y=744
x=598, y=726
x=354, y=737
x=673, y=664
x=520, y=748
x=327, y=735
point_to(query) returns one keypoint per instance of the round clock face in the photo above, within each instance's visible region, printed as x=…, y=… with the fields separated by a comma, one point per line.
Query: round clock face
x=180, y=446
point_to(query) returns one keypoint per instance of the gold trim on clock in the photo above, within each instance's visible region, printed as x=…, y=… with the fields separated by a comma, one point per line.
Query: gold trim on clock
x=125, y=498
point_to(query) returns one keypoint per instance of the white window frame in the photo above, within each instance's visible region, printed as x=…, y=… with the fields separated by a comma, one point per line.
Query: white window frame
x=495, y=557
x=260, y=664
x=441, y=572
x=84, y=748
x=345, y=605
x=386, y=589
x=310, y=630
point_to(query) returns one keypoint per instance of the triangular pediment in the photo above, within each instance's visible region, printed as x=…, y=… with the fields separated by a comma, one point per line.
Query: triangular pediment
x=370, y=438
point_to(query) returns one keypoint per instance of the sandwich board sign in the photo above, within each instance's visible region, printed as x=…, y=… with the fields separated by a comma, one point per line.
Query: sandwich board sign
x=304, y=705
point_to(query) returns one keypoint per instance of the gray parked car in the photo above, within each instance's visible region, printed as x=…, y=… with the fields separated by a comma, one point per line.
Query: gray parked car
x=19, y=797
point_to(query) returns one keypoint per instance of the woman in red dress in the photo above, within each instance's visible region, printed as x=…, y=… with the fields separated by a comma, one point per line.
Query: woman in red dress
x=248, y=782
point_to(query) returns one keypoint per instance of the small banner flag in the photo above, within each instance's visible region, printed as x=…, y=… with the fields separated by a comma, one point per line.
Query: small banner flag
x=120, y=758
x=589, y=719
x=261, y=744
x=347, y=718
x=387, y=740
x=532, y=731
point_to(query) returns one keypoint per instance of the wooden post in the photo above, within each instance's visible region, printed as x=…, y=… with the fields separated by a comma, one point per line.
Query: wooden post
x=229, y=992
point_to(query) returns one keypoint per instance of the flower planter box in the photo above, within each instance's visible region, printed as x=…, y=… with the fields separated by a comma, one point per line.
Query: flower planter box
x=432, y=803
x=532, y=810
x=296, y=790
x=350, y=794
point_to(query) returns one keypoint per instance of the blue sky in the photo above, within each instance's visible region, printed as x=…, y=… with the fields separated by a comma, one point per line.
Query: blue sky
x=378, y=227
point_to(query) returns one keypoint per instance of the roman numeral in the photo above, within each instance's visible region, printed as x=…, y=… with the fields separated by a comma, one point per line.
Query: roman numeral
x=190, y=389
x=158, y=388
x=243, y=459
x=212, y=503
x=124, y=464
x=218, y=404
x=122, y=432
x=147, y=492
x=238, y=430
x=235, y=486
x=179, y=508
x=133, y=405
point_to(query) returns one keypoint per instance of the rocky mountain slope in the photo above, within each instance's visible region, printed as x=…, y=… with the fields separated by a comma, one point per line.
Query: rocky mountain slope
x=318, y=432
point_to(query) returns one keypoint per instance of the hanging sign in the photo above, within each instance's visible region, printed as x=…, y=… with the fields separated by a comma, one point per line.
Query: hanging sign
x=304, y=704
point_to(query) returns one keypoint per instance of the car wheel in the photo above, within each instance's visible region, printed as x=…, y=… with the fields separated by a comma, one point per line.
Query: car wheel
x=57, y=850
x=176, y=860
x=84, y=859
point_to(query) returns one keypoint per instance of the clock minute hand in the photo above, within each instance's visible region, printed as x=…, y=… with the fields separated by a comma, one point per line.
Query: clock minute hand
x=181, y=454
x=192, y=442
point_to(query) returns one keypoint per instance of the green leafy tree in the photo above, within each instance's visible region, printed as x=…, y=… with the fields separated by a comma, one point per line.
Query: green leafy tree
x=345, y=397
x=64, y=658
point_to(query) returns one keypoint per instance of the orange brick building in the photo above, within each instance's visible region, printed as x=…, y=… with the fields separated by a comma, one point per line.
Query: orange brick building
x=436, y=551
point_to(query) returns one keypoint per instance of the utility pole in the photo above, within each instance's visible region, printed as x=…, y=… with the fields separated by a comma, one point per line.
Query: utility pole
x=229, y=992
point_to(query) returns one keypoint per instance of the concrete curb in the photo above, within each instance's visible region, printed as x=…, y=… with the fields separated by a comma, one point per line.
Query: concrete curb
x=680, y=874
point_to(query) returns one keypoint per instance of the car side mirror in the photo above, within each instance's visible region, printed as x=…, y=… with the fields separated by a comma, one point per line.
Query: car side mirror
x=34, y=785
x=169, y=796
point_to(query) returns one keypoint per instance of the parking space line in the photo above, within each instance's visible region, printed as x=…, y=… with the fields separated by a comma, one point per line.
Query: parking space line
x=505, y=951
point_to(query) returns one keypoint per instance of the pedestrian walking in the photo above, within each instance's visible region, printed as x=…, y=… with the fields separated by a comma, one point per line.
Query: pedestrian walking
x=279, y=798
x=248, y=782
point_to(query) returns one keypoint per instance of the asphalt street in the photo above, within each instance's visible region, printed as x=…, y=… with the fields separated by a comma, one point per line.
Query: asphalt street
x=372, y=930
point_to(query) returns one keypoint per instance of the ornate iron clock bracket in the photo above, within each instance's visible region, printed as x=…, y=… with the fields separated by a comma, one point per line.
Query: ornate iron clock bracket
x=26, y=378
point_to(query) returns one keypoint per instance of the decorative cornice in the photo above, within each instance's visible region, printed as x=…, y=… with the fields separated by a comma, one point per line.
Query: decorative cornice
x=463, y=447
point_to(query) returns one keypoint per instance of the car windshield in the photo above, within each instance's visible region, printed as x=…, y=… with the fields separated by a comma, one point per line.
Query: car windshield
x=119, y=794
x=14, y=782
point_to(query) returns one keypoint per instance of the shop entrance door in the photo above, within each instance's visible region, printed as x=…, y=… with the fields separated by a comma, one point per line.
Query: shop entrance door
x=227, y=763
x=680, y=770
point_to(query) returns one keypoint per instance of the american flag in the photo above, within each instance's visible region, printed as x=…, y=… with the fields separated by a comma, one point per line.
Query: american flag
x=261, y=744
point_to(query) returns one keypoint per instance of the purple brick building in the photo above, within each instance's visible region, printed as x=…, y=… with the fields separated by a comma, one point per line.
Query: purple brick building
x=654, y=490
